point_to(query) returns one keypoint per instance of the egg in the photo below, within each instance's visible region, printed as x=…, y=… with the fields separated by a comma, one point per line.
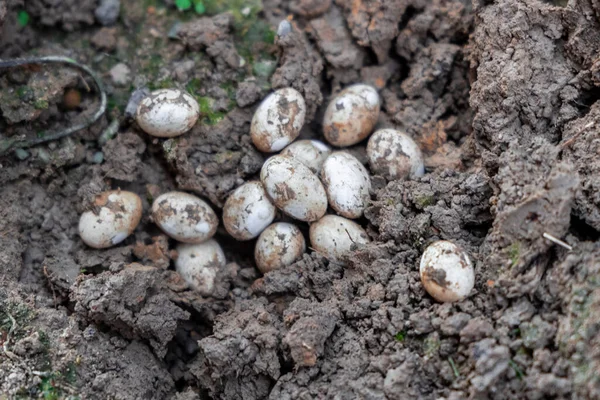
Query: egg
x=278, y=120
x=311, y=153
x=184, y=217
x=351, y=116
x=395, y=155
x=279, y=245
x=116, y=216
x=334, y=237
x=347, y=184
x=199, y=263
x=294, y=188
x=446, y=272
x=167, y=113
x=248, y=211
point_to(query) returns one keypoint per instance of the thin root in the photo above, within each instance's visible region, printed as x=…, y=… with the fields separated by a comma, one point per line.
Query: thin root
x=557, y=241
x=13, y=326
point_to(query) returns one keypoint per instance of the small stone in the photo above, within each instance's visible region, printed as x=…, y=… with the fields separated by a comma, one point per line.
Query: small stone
x=105, y=39
x=107, y=12
x=454, y=324
x=248, y=93
x=21, y=154
x=120, y=74
x=476, y=329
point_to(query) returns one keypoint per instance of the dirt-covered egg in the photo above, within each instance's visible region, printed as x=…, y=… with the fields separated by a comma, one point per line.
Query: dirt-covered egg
x=115, y=216
x=311, y=153
x=446, y=272
x=199, y=263
x=294, y=188
x=167, y=113
x=394, y=154
x=279, y=245
x=351, y=116
x=347, y=184
x=248, y=211
x=184, y=217
x=334, y=237
x=278, y=120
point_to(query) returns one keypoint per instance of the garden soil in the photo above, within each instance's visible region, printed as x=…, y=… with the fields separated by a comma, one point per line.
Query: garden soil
x=503, y=98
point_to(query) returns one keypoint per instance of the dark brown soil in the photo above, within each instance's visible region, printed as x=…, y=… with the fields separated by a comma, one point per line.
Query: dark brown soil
x=502, y=96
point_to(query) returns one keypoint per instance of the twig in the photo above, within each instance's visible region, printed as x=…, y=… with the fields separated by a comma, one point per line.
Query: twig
x=569, y=141
x=557, y=241
x=45, y=270
x=15, y=143
x=13, y=326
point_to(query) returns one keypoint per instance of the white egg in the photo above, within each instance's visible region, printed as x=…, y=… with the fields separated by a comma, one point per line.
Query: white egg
x=117, y=213
x=278, y=120
x=351, y=116
x=184, y=217
x=294, y=188
x=334, y=237
x=199, y=263
x=248, y=211
x=395, y=155
x=167, y=113
x=446, y=272
x=311, y=153
x=347, y=184
x=279, y=245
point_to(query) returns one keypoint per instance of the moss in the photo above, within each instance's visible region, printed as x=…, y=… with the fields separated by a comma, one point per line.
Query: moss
x=400, y=336
x=193, y=87
x=514, y=252
x=166, y=83
x=423, y=201
x=22, y=315
x=431, y=345
x=40, y=104
x=209, y=116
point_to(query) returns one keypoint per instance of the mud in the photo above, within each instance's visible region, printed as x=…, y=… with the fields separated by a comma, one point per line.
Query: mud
x=502, y=97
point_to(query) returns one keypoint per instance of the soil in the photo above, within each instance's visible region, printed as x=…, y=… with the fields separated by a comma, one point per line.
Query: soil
x=502, y=96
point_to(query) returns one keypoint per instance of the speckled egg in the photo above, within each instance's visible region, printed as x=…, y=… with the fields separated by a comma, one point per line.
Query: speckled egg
x=446, y=272
x=278, y=120
x=294, y=188
x=184, y=217
x=395, y=155
x=279, y=245
x=199, y=263
x=347, y=184
x=351, y=116
x=167, y=113
x=248, y=211
x=334, y=237
x=311, y=153
x=116, y=215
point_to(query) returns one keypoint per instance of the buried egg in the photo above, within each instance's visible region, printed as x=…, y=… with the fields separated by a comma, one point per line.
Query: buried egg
x=118, y=214
x=167, y=113
x=446, y=272
x=347, y=184
x=248, y=211
x=279, y=245
x=294, y=188
x=334, y=237
x=199, y=263
x=184, y=217
x=394, y=154
x=311, y=153
x=351, y=115
x=278, y=120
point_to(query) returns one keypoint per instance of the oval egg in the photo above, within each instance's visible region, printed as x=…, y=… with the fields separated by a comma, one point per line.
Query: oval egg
x=294, y=188
x=119, y=213
x=199, y=263
x=394, y=155
x=184, y=217
x=248, y=211
x=278, y=120
x=347, y=184
x=334, y=237
x=279, y=245
x=167, y=113
x=351, y=116
x=311, y=153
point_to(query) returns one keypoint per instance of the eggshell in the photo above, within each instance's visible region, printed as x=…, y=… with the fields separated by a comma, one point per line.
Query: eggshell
x=347, y=184
x=248, y=211
x=279, y=245
x=184, y=217
x=118, y=214
x=294, y=188
x=334, y=237
x=311, y=153
x=351, y=116
x=199, y=263
x=278, y=120
x=167, y=113
x=446, y=272
x=395, y=155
